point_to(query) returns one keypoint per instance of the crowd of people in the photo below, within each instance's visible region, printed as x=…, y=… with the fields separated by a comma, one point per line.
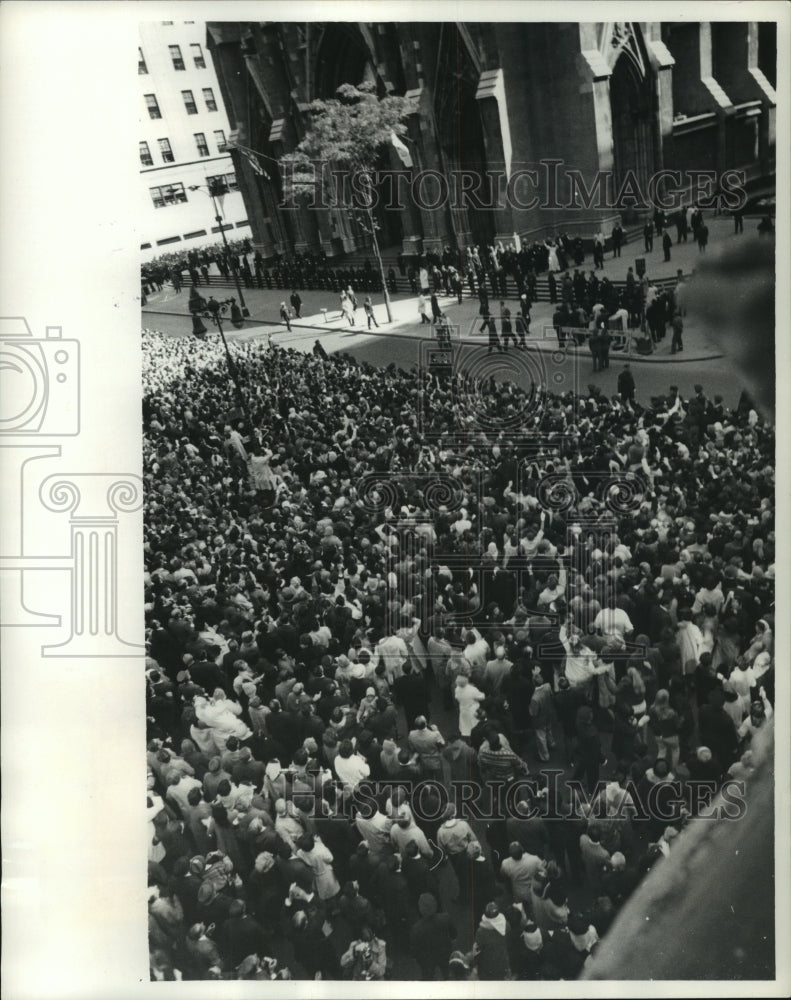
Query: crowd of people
x=497, y=266
x=377, y=625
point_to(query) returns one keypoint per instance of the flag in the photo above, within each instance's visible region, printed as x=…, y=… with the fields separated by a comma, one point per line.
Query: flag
x=400, y=148
x=252, y=159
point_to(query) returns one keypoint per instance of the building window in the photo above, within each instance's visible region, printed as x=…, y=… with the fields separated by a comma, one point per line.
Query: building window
x=197, y=55
x=217, y=184
x=145, y=155
x=175, y=55
x=189, y=102
x=171, y=194
x=222, y=183
x=200, y=142
x=141, y=62
x=208, y=97
x=165, y=151
x=219, y=138
x=153, y=107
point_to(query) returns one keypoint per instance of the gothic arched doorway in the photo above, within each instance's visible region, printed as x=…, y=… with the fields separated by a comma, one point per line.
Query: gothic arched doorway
x=461, y=134
x=344, y=56
x=634, y=117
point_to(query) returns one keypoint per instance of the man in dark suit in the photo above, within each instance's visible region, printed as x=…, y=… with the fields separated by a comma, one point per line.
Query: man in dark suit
x=617, y=239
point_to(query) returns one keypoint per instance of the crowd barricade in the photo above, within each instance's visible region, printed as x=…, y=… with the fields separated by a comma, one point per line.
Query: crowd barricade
x=578, y=336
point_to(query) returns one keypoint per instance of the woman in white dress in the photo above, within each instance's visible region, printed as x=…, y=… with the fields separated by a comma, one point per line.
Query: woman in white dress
x=554, y=263
x=468, y=696
x=347, y=310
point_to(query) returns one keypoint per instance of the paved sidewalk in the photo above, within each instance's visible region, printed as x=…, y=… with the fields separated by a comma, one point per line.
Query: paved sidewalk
x=335, y=334
x=168, y=311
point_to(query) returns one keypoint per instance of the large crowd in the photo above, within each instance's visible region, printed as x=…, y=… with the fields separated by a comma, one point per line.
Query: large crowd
x=429, y=695
x=501, y=267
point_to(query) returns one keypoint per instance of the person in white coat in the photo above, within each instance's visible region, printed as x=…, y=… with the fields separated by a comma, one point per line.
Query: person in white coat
x=315, y=853
x=468, y=696
x=690, y=641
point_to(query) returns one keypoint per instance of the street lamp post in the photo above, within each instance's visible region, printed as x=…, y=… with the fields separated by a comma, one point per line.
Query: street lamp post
x=211, y=188
x=215, y=311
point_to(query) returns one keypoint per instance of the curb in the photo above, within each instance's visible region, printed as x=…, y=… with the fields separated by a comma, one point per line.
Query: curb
x=466, y=342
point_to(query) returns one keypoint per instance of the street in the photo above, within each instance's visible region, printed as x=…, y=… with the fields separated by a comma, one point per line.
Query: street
x=404, y=342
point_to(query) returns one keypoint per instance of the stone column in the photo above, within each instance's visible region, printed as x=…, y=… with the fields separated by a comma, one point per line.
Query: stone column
x=735, y=60
x=491, y=98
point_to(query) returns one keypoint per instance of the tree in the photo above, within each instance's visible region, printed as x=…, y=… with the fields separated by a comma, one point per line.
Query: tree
x=347, y=133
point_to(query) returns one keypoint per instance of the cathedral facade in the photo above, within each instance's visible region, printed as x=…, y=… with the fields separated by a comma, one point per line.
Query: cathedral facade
x=543, y=111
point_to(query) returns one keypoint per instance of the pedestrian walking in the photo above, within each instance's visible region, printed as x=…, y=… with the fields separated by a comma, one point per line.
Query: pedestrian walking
x=598, y=249
x=506, y=326
x=284, y=316
x=522, y=330
x=236, y=315
x=678, y=328
x=703, y=237
x=626, y=384
x=648, y=237
x=617, y=239
x=594, y=343
x=558, y=319
x=296, y=303
x=605, y=339
x=681, y=226
x=695, y=222
x=667, y=243
x=422, y=308
x=368, y=306
x=494, y=341
x=346, y=308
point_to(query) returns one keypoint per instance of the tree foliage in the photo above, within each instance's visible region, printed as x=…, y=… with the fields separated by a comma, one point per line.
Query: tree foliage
x=345, y=133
